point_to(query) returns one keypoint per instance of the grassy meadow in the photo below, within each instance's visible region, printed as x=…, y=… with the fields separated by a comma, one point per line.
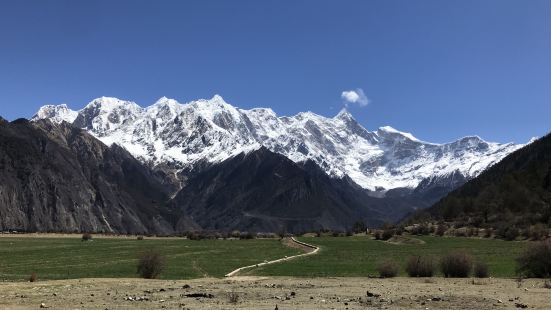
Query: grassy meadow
x=359, y=256
x=63, y=258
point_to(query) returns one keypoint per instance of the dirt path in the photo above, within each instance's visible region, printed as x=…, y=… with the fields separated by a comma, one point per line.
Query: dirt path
x=264, y=293
x=291, y=242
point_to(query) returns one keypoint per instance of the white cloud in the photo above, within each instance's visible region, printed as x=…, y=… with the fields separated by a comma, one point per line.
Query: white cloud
x=356, y=96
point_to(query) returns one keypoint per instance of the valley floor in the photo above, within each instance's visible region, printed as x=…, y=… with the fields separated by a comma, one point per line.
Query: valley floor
x=285, y=292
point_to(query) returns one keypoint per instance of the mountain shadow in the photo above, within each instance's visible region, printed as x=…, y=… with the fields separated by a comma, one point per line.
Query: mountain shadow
x=265, y=191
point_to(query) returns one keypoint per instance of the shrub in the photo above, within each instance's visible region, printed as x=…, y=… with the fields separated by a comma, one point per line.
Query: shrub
x=233, y=297
x=422, y=229
x=387, y=234
x=460, y=232
x=33, y=277
x=441, y=230
x=378, y=235
x=399, y=231
x=388, y=269
x=150, y=264
x=246, y=235
x=419, y=266
x=359, y=227
x=507, y=232
x=86, y=237
x=140, y=238
x=535, y=261
x=538, y=232
x=457, y=264
x=481, y=270
x=235, y=234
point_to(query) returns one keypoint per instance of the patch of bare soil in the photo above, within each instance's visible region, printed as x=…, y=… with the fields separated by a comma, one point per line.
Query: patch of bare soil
x=286, y=293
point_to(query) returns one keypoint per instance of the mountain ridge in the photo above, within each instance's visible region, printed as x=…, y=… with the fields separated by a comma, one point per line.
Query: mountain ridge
x=182, y=138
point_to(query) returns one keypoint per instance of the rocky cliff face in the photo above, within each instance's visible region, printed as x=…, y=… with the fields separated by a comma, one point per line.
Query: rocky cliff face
x=54, y=177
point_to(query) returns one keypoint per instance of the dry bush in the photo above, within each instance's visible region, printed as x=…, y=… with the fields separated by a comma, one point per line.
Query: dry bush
x=387, y=234
x=233, y=297
x=421, y=230
x=481, y=270
x=441, y=230
x=507, y=232
x=420, y=266
x=456, y=264
x=388, y=269
x=150, y=264
x=537, y=232
x=33, y=277
x=547, y=284
x=86, y=237
x=246, y=235
x=235, y=234
x=535, y=260
x=139, y=238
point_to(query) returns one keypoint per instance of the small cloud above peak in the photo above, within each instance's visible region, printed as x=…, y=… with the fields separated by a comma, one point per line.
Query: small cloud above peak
x=356, y=96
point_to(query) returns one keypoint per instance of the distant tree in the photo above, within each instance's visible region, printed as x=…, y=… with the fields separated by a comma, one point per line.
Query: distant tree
x=359, y=227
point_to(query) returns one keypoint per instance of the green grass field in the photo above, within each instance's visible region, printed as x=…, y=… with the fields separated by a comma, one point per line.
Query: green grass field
x=359, y=256
x=61, y=258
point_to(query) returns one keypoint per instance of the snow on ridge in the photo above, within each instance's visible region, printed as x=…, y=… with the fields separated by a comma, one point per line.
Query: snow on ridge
x=56, y=113
x=212, y=130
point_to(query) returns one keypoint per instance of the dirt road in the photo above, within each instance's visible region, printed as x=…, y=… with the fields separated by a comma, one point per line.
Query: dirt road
x=286, y=293
x=308, y=249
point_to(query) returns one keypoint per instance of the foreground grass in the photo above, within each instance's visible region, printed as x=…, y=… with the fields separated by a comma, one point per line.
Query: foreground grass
x=359, y=256
x=63, y=258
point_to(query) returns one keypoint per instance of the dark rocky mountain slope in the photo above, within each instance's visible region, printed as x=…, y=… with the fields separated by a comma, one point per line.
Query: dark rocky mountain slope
x=54, y=177
x=265, y=191
x=515, y=191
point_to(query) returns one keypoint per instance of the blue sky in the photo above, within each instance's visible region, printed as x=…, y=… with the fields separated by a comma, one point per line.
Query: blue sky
x=438, y=69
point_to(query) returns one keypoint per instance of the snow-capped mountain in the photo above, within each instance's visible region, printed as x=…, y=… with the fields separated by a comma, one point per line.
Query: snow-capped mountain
x=183, y=137
x=56, y=113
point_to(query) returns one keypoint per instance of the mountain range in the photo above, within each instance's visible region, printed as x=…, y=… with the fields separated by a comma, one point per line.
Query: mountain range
x=114, y=166
x=179, y=139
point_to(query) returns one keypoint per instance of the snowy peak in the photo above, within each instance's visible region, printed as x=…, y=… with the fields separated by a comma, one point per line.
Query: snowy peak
x=343, y=114
x=106, y=114
x=190, y=136
x=389, y=131
x=56, y=113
